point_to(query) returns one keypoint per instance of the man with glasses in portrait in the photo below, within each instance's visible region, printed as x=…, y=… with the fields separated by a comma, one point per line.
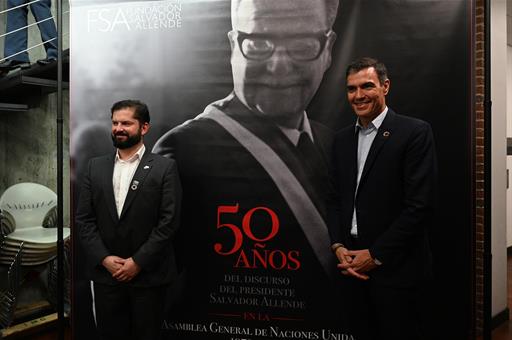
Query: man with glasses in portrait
x=254, y=171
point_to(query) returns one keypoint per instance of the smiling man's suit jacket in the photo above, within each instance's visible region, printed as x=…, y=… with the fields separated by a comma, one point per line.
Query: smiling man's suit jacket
x=217, y=170
x=146, y=226
x=395, y=198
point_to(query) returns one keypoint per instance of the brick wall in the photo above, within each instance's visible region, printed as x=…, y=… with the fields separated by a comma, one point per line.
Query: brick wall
x=479, y=162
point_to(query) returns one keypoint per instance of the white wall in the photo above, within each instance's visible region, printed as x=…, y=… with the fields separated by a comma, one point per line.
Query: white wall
x=509, y=195
x=509, y=120
x=499, y=131
x=509, y=125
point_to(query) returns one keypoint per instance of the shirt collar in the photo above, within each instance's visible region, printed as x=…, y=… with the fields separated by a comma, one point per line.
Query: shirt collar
x=375, y=123
x=294, y=134
x=137, y=156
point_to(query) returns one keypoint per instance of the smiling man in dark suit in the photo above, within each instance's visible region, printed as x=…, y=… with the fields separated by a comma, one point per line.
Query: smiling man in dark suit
x=126, y=218
x=384, y=175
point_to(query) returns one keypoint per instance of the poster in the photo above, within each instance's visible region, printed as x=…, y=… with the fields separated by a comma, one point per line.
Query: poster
x=252, y=248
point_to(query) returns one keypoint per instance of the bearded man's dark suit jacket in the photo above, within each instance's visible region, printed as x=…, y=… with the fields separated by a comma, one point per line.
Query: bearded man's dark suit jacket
x=394, y=201
x=144, y=231
x=147, y=223
x=216, y=170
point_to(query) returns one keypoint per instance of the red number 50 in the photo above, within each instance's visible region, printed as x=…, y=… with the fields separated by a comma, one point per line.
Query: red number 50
x=246, y=227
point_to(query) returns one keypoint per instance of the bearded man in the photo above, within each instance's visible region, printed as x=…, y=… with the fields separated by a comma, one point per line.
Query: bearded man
x=126, y=218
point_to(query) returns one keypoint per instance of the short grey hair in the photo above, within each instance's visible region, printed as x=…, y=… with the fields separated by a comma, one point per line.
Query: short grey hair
x=331, y=11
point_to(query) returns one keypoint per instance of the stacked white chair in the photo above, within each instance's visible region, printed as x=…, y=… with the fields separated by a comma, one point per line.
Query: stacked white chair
x=29, y=211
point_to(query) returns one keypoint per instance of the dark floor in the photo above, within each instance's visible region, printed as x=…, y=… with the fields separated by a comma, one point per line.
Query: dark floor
x=504, y=332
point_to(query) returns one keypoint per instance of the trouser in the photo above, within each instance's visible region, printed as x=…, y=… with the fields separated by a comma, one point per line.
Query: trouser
x=16, y=42
x=129, y=313
x=377, y=312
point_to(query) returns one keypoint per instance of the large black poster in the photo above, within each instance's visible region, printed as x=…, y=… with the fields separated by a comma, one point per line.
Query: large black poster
x=253, y=247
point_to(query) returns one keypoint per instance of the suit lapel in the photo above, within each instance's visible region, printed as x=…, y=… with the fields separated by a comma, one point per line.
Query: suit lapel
x=137, y=182
x=352, y=146
x=318, y=159
x=383, y=134
x=109, y=188
x=271, y=135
